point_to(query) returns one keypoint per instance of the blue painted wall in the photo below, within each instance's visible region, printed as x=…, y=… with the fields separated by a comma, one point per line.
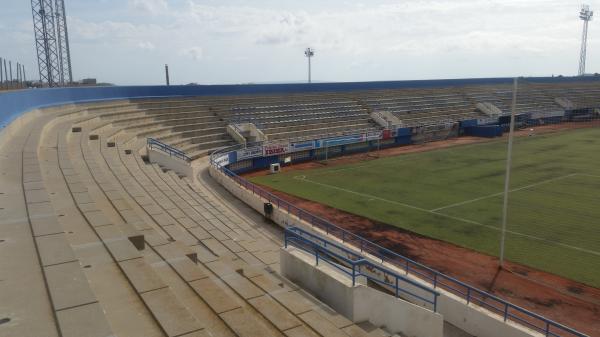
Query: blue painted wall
x=486, y=131
x=12, y=104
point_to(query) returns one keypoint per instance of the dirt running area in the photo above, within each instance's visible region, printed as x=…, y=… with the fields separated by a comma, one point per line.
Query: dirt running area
x=562, y=300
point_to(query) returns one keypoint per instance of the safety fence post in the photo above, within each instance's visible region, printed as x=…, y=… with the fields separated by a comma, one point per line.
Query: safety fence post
x=468, y=295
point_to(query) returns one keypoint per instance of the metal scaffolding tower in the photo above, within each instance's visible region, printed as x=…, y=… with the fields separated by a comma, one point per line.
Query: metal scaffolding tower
x=52, y=42
x=62, y=36
x=586, y=15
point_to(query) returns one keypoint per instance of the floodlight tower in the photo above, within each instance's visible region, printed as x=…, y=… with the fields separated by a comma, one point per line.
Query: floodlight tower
x=309, y=53
x=62, y=36
x=586, y=15
x=45, y=41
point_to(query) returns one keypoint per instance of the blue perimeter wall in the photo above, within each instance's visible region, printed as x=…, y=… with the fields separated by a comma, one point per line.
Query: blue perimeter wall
x=14, y=103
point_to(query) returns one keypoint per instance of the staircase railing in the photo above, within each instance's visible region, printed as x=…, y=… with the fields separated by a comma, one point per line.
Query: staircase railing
x=355, y=265
x=168, y=149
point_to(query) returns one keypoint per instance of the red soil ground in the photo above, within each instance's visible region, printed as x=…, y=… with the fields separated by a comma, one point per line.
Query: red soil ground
x=565, y=301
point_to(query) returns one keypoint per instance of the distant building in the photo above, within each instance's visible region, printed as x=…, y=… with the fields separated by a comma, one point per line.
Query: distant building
x=88, y=81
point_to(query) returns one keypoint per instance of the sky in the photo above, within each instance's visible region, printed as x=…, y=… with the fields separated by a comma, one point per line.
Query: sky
x=127, y=42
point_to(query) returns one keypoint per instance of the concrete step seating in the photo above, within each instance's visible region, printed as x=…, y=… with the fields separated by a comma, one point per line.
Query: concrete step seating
x=200, y=270
x=581, y=96
x=323, y=131
x=310, y=118
x=316, y=125
x=124, y=248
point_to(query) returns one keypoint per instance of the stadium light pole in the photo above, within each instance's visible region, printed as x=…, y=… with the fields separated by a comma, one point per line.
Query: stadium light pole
x=309, y=53
x=586, y=15
x=507, y=176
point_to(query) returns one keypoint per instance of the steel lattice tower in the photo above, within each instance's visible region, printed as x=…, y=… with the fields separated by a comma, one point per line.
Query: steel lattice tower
x=586, y=15
x=52, y=42
x=62, y=37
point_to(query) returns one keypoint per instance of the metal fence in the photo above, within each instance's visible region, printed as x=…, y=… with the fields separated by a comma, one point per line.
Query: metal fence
x=354, y=265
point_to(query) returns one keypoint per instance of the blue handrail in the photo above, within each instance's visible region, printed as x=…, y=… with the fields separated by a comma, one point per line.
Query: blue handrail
x=469, y=293
x=353, y=263
x=171, y=151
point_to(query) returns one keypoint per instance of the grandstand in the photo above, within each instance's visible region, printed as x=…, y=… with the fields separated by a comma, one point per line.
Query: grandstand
x=97, y=239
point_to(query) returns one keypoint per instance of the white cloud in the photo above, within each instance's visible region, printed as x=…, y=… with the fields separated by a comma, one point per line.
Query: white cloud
x=415, y=38
x=146, y=45
x=150, y=6
x=195, y=53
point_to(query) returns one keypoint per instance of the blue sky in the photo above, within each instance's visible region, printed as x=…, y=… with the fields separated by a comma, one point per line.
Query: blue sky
x=234, y=41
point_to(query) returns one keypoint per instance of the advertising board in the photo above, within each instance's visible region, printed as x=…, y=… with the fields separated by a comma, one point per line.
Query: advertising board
x=275, y=149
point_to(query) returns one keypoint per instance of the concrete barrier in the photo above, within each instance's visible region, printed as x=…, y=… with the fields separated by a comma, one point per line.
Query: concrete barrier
x=359, y=303
x=177, y=165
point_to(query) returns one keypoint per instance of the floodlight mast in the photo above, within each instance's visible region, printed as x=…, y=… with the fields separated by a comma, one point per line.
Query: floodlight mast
x=309, y=53
x=586, y=15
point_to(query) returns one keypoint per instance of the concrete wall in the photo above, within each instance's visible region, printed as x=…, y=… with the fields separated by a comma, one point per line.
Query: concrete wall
x=468, y=317
x=238, y=137
x=329, y=286
x=358, y=303
x=175, y=164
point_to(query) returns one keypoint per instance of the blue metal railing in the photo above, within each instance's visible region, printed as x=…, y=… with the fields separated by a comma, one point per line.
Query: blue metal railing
x=171, y=151
x=468, y=293
x=355, y=265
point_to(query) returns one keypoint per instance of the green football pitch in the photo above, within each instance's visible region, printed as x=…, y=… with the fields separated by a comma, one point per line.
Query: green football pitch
x=455, y=195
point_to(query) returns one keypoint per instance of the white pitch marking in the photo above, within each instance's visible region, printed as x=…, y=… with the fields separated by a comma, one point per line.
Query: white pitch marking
x=589, y=175
x=303, y=178
x=501, y=193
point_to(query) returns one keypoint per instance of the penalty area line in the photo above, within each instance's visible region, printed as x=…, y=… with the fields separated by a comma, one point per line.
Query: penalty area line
x=502, y=193
x=372, y=197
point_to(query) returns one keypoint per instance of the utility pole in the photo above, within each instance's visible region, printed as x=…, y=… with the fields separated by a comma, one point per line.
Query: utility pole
x=167, y=74
x=5, y=75
x=507, y=176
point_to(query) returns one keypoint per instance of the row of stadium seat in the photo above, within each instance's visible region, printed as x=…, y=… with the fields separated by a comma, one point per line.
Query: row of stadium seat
x=77, y=198
x=198, y=125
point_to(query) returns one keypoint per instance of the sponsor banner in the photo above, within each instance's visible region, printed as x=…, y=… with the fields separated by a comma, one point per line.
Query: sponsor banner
x=275, y=149
x=341, y=140
x=373, y=135
x=308, y=145
x=222, y=160
x=249, y=152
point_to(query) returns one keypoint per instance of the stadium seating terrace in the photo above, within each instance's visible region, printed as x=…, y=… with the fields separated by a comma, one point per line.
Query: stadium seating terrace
x=96, y=241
